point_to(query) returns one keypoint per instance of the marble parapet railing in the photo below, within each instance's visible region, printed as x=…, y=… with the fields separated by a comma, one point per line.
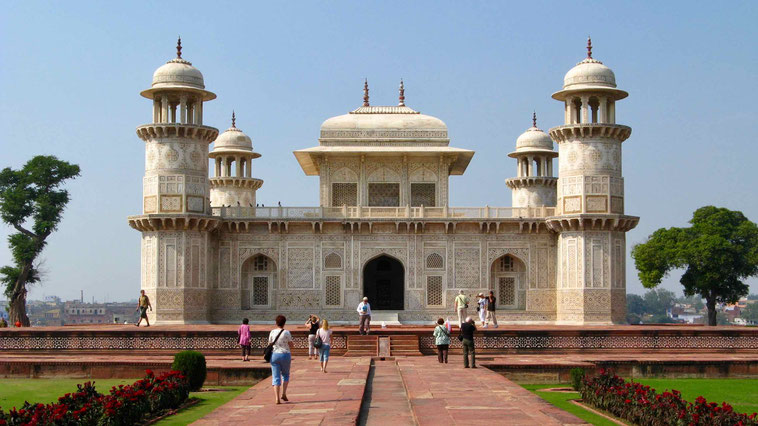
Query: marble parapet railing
x=359, y=212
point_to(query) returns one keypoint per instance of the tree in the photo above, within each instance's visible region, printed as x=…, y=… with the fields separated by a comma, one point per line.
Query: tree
x=30, y=194
x=718, y=251
x=750, y=313
x=659, y=300
x=635, y=304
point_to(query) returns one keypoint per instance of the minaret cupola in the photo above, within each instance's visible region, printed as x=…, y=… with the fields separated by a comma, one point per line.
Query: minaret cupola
x=232, y=183
x=534, y=185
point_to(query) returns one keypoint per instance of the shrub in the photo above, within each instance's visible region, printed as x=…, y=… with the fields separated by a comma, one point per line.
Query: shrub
x=642, y=405
x=577, y=377
x=192, y=365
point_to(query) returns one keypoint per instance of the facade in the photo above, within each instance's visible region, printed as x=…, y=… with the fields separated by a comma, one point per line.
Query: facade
x=384, y=227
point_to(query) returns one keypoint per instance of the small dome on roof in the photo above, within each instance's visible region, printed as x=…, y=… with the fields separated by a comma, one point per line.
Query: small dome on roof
x=233, y=139
x=178, y=74
x=384, y=117
x=534, y=138
x=589, y=73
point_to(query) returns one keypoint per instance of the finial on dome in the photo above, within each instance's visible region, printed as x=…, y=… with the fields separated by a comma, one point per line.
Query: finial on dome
x=365, y=93
x=589, y=47
x=402, y=94
x=534, y=119
x=234, y=120
x=179, y=47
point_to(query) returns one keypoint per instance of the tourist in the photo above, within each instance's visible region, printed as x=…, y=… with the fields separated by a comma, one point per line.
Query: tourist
x=313, y=325
x=467, y=341
x=442, y=340
x=3, y=323
x=142, y=305
x=244, y=339
x=281, y=358
x=461, y=305
x=481, y=308
x=364, y=312
x=491, y=304
x=326, y=343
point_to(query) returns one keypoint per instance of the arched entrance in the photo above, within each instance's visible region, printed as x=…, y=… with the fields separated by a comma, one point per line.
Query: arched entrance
x=384, y=283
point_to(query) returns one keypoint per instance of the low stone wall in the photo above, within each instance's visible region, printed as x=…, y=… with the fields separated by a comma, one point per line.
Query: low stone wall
x=504, y=340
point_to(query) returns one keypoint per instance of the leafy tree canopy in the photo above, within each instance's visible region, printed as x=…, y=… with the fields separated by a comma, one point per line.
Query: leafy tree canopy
x=718, y=251
x=30, y=196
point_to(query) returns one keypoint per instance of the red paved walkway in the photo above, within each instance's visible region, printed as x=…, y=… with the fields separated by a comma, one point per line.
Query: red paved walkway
x=448, y=394
x=413, y=390
x=332, y=398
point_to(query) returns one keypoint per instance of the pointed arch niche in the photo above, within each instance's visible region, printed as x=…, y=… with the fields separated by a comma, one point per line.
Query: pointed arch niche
x=508, y=279
x=259, y=276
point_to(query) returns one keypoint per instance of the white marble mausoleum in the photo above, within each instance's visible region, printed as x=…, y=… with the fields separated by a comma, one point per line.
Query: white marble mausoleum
x=383, y=227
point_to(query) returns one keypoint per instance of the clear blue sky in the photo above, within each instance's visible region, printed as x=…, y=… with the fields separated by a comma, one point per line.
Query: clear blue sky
x=71, y=73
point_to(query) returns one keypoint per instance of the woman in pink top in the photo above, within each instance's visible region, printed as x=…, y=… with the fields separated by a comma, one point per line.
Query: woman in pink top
x=326, y=343
x=244, y=339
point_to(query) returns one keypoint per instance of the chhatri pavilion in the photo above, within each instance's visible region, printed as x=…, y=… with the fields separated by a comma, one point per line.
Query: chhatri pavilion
x=383, y=227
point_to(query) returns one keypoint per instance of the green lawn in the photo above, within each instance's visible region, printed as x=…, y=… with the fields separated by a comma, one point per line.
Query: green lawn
x=13, y=393
x=209, y=401
x=742, y=394
x=561, y=400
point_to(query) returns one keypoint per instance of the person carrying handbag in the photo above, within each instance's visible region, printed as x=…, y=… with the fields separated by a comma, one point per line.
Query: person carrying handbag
x=442, y=340
x=324, y=338
x=280, y=356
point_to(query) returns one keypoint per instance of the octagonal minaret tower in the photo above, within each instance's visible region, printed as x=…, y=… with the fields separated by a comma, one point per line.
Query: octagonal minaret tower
x=534, y=185
x=233, y=183
x=176, y=217
x=590, y=215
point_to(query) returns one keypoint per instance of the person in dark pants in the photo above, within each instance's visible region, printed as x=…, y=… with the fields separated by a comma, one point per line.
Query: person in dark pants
x=491, y=306
x=467, y=340
x=442, y=340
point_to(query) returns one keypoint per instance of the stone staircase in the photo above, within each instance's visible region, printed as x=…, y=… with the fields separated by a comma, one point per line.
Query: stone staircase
x=394, y=345
x=404, y=345
x=358, y=345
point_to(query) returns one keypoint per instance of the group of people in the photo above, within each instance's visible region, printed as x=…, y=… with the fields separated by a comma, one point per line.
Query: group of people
x=281, y=342
x=485, y=307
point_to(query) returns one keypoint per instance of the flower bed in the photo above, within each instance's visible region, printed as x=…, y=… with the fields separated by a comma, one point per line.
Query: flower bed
x=123, y=405
x=642, y=405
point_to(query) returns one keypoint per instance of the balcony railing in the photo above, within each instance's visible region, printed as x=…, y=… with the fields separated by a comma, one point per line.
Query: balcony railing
x=345, y=212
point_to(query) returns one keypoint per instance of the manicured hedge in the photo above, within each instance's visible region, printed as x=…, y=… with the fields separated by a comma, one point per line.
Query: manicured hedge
x=642, y=405
x=124, y=405
x=192, y=365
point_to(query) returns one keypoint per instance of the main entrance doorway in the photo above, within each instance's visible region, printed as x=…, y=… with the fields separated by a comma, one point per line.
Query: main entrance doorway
x=383, y=283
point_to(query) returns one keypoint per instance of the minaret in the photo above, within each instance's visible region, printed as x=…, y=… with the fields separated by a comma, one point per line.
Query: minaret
x=590, y=217
x=176, y=217
x=233, y=183
x=534, y=184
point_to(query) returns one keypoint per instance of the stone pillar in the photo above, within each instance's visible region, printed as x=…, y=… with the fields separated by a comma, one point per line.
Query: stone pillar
x=164, y=109
x=156, y=111
x=249, y=168
x=612, y=112
x=585, y=109
x=601, y=111
x=183, y=109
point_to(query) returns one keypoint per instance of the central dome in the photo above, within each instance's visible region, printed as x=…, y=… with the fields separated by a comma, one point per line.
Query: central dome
x=383, y=122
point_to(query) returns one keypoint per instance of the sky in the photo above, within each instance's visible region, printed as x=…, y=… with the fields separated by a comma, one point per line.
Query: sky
x=71, y=73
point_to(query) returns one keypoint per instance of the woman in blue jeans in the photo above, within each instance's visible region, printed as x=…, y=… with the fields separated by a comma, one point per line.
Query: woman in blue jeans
x=281, y=358
x=326, y=343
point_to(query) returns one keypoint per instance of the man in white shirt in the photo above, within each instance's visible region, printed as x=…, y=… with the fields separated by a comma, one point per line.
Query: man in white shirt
x=461, y=306
x=364, y=312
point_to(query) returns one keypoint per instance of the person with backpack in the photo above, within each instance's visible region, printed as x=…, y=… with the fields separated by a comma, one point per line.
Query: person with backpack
x=442, y=340
x=313, y=325
x=280, y=341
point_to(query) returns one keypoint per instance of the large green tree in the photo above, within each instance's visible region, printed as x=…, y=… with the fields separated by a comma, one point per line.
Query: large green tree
x=718, y=252
x=32, y=202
